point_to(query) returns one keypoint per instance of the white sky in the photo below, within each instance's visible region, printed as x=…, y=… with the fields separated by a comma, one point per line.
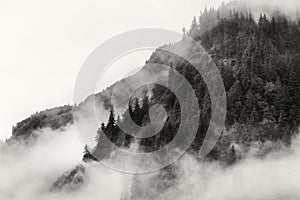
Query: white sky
x=44, y=43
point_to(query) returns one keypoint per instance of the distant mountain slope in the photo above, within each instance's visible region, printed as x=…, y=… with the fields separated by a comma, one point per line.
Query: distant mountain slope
x=59, y=117
x=70, y=180
x=54, y=118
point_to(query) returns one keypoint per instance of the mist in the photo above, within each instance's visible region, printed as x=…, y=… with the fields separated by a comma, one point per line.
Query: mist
x=287, y=7
x=27, y=173
x=275, y=177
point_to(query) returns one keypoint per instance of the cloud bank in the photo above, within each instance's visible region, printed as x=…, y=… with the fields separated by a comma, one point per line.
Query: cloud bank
x=27, y=173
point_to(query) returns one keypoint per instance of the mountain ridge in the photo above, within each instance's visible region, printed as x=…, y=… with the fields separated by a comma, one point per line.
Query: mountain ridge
x=259, y=62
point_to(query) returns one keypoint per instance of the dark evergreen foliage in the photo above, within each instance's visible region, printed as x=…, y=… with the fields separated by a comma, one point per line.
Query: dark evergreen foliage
x=259, y=63
x=54, y=118
x=87, y=156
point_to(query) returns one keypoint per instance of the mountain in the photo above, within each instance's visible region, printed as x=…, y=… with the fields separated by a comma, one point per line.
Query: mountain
x=259, y=63
x=59, y=117
x=55, y=118
x=258, y=59
x=70, y=180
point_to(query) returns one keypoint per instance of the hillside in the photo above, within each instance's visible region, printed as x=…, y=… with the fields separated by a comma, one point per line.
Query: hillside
x=55, y=118
x=259, y=62
x=258, y=58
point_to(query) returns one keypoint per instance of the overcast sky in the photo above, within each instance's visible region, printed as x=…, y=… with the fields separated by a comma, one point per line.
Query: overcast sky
x=44, y=43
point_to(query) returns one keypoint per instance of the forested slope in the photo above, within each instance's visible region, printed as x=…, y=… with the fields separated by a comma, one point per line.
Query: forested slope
x=259, y=63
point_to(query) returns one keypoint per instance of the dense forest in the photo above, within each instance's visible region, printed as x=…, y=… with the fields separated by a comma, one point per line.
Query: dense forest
x=258, y=56
x=55, y=118
x=259, y=63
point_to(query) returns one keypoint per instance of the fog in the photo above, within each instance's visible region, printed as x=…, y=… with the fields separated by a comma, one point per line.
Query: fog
x=27, y=173
x=287, y=7
x=274, y=177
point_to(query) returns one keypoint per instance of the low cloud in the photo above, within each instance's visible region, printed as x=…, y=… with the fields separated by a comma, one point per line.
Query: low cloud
x=275, y=177
x=27, y=173
x=287, y=7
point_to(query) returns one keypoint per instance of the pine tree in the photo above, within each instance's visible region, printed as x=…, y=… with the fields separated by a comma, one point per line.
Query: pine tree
x=283, y=119
x=111, y=130
x=232, y=156
x=111, y=120
x=268, y=116
x=137, y=112
x=254, y=116
x=86, y=150
x=184, y=30
x=194, y=28
x=145, y=109
x=87, y=156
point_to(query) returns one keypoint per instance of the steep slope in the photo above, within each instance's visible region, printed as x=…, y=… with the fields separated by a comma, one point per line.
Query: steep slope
x=59, y=117
x=70, y=180
x=55, y=118
x=259, y=63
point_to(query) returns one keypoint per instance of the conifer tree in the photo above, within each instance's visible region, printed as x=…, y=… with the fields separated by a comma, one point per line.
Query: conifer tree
x=86, y=150
x=232, y=156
